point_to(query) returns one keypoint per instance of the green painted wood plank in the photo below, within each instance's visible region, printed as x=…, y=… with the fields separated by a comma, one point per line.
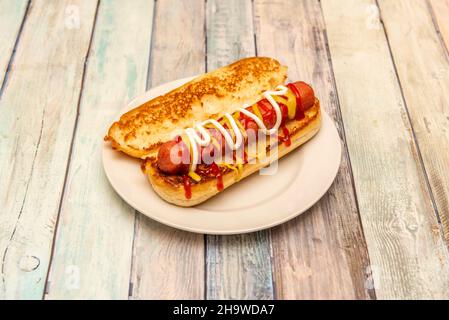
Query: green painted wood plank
x=12, y=13
x=406, y=249
x=39, y=108
x=238, y=266
x=169, y=263
x=322, y=253
x=93, y=249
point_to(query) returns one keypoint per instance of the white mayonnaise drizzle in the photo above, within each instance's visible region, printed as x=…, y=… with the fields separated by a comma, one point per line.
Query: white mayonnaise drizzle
x=204, y=138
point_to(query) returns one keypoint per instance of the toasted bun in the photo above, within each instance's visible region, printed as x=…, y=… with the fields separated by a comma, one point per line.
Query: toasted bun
x=302, y=131
x=142, y=130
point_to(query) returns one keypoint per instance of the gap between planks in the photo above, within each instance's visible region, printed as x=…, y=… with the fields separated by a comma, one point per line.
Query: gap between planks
x=13, y=52
x=439, y=10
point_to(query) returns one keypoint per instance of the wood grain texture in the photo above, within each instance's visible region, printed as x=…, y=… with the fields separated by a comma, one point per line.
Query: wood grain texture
x=92, y=215
x=400, y=226
x=423, y=69
x=12, y=13
x=440, y=10
x=238, y=266
x=39, y=109
x=322, y=253
x=168, y=263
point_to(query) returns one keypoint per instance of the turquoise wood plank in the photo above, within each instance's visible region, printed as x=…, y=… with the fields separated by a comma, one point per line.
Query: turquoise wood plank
x=38, y=112
x=93, y=249
x=12, y=14
x=238, y=266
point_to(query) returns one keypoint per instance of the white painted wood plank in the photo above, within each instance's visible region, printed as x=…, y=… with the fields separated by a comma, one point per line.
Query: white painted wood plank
x=440, y=10
x=168, y=263
x=38, y=112
x=322, y=253
x=12, y=13
x=230, y=32
x=407, y=253
x=96, y=227
x=423, y=68
x=238, y=266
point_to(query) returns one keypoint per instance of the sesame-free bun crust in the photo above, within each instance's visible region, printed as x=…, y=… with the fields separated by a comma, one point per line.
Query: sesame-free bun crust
x=141, y=131
x=302, y=131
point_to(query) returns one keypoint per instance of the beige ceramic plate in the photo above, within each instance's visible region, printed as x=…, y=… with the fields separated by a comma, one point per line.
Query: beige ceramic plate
x=255, y=203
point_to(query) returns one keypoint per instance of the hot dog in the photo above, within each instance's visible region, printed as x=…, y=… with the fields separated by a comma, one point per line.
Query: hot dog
x=185, y=174
x=187, y=169
x=174, y=156
x=222, y=115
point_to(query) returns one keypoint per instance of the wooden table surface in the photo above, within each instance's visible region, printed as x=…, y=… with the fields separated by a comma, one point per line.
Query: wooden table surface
x=380, y=69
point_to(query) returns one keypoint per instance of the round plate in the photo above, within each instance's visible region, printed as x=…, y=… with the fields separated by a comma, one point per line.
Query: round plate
x=254, y=203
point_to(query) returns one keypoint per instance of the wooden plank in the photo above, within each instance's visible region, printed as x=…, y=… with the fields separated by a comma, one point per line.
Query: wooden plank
x=398, y=219
x=39, y=108
x=322, y=253
x=12, y=13
x=92, y=215
x=427, y=103
x=440, y=10
x=423, y=70
x=238, y=267
x=168, y=263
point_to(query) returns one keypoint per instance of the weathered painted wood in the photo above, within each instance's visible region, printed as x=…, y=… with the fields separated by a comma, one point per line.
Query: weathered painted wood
x=38, y=112
x=440, y=10
x=322, y=253
x=93, y=216
x=423, y=69
x=405, y=246
x=238, y=267
x=12, y=13
x=230, y=32
x=168, y=263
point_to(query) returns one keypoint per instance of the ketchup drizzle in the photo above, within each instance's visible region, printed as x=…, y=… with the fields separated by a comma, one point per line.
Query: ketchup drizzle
x=286, y=138
x=299, y=107
x=267, y=112
x=217, y=173
x=187, y=186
